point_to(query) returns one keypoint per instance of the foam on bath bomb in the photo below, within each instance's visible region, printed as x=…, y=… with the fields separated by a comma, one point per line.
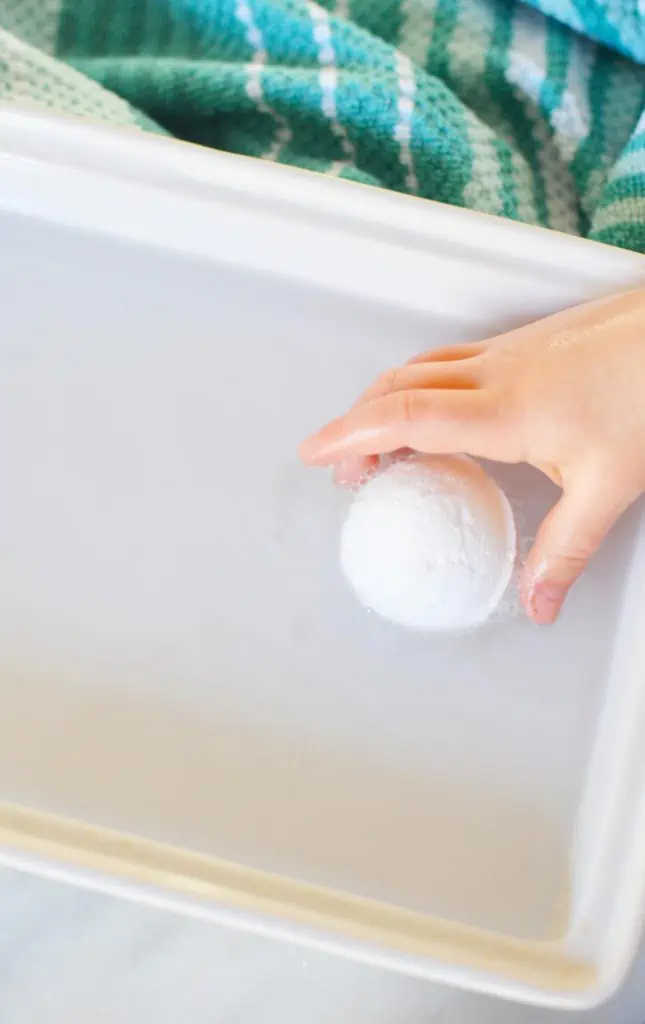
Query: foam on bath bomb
x=430, y=543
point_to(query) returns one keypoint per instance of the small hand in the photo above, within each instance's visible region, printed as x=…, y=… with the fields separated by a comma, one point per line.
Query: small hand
x=566, y=394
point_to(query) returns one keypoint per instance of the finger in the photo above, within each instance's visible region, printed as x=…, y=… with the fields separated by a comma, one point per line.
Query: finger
x=426, y=421
x=449, y=354
x=450, y=377
x=353, y=470
x=571, y=533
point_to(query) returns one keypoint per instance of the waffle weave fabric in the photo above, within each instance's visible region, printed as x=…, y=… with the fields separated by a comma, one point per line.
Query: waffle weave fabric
x=533, y=112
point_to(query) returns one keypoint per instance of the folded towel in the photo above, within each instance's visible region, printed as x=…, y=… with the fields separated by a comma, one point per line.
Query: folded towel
x=491, y=104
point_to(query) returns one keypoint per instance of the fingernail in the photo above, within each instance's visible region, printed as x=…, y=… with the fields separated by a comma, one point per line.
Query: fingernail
x=546, y=601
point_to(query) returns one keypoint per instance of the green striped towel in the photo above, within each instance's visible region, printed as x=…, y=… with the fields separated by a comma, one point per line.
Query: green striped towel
x=531, y=112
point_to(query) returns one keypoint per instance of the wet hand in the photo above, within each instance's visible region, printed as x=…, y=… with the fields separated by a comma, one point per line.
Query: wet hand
x=566, y=394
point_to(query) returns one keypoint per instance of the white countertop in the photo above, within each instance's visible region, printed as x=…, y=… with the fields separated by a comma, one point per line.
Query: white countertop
x=83, y=958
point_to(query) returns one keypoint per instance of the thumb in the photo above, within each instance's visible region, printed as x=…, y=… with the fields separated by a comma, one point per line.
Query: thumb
x=570, y=534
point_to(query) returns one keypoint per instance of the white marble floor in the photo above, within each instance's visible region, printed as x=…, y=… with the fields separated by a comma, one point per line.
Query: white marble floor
x=82, y=958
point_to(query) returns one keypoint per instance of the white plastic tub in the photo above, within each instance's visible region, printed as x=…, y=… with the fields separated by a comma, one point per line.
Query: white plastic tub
x=194, y=710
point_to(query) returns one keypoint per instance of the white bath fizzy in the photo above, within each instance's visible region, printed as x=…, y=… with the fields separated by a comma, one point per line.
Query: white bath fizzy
x=430, y=543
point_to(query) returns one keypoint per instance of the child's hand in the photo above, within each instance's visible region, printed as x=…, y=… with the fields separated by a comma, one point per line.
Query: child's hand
x=566, y=394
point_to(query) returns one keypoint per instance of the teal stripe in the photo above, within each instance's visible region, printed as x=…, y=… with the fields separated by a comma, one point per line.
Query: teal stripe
x=558, y=54
x=518, y=122
x=137, y=37
x=162, y=86
x=368, y=109
x=496, y=118
x=507, y=177
x=382, y=20
x=287, y=39
x=445, y=116
x=251, y=133
x=593, y=15
x=636, y=143
x=110, y=33
x=445, y=22
x=79, y=30
x=160, y=30
x=443, y=171
x=67, y=32
x=624, y=105
x=616, y=101
x=630, y=235
x=559, y=45
x=629, y=186
x=297, y=98
x=586, y=160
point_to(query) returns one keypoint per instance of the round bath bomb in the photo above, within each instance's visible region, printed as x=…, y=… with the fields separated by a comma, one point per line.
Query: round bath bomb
x=430, y=543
